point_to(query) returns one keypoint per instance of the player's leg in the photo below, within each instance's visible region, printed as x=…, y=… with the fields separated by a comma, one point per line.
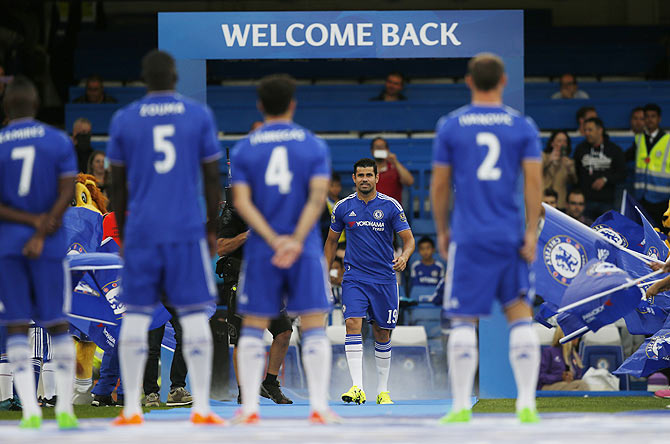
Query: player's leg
x=308, y=296
x=251, y=363
x=6, y=388
x=15, y=296
x=524, y=357
x=466, y=297
x=143, y=267
x=354, y=306
x=53, y=293
x=191, y=289
x=384, y=300
x=281, y=329
x=48, y=372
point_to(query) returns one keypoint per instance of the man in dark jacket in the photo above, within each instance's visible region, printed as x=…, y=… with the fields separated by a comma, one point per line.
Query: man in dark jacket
x=600, y=168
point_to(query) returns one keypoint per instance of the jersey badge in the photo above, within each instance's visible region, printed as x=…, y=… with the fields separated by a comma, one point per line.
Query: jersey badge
x=378, y=214
x=403, y=218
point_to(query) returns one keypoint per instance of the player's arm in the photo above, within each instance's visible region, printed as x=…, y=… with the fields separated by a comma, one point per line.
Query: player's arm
x=408, y=245
x=119, y=197
x=210, y=174
x=65, y=195
x=228, y=245
x=532, y=170
x=21, y=217
x=311, y=212
x=330, y=248
x=440, y=194
x=251, y=215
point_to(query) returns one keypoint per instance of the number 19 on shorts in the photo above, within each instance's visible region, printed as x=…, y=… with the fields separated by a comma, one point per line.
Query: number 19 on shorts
x=393, y=317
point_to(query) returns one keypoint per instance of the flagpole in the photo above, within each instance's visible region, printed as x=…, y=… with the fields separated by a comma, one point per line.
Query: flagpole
x=573, y=335
x=558, y=214
x=610, y=291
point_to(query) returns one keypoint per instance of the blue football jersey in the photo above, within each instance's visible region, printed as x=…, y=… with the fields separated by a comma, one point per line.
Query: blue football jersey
x=486, y=146
x=162, y=140
x=369, y=228
x=33, y=158
x=423, y=274
x=277, y=161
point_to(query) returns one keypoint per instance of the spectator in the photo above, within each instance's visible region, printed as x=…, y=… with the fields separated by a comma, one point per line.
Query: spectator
x=334, y=190
x=392, y=174
x=584, y=113
x=392, y=92
x=558, y=169
x=96, y=168
x=637, y=120
x=550, y=197
x=569, y=89
x=600, y=167
x=95, y=92
x=561, y=367
x=576, y=204
x=652, y=178
x=426, y=271
x=81, y=138
x=637, y=127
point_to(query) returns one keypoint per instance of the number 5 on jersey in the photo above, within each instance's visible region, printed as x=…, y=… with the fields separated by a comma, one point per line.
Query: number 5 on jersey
x=163, y=145
x=277, y=172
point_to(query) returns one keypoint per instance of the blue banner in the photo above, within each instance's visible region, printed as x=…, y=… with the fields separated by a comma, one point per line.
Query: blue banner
x=653, y=355
x=621, y=229
x=598, y=277
x=563, y=249
x=340, y=34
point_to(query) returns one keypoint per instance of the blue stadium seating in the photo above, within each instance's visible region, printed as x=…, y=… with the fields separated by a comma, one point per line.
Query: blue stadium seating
x=420, y=293
x=409, y=116
x=609, y=357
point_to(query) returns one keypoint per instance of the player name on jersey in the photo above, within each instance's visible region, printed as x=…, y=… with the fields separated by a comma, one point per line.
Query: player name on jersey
x=162, y=109
x=29, y=132
x=277, y=136
x=487, y=119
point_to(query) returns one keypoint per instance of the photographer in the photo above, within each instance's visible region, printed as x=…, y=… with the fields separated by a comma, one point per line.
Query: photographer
x=231, y=235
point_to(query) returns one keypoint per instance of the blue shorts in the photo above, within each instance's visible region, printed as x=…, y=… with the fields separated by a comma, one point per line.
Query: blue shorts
x=265, y=289
x=34, y=289
x=479, y=273
x=182, y=270
x=378, y=301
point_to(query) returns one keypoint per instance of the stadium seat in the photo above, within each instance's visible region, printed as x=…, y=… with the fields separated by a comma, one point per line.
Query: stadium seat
x=422, y=293
x=602, y=349
x=411, y=360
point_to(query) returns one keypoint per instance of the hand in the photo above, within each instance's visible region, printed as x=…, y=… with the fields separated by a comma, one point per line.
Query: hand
x=656, y=266
x=443, y=244
x=392, y=158
x=287, y=251
x=555, y=156
x=399, y=263
x=599, y=183
x=651, y=291
x=527, y=251
x=568, y=377
x=33, y=248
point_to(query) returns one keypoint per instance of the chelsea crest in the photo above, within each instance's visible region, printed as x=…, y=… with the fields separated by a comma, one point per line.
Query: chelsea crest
x=564, y=258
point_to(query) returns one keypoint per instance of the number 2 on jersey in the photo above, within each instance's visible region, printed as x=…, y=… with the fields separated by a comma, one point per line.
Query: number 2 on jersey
x=277, y=172
x=488, y=169
x=27, y=156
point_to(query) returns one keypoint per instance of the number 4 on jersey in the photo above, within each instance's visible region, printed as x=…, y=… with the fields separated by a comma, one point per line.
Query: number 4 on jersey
x=277, y=172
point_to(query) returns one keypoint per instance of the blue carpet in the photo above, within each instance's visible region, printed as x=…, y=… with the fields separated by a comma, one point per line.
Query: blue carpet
x=300, y=409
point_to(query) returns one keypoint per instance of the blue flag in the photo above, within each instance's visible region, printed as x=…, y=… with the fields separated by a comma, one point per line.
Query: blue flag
x=599, y=277
x=621, y=230
x=653, y=355
x=628, y=205
x=563, y=249
x=83, y=228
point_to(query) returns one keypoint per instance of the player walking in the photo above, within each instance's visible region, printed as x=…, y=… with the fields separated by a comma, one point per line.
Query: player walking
x=369, y=286
x=280, y=181
x=482, y=149
x=157, y=146
x=37, y=171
